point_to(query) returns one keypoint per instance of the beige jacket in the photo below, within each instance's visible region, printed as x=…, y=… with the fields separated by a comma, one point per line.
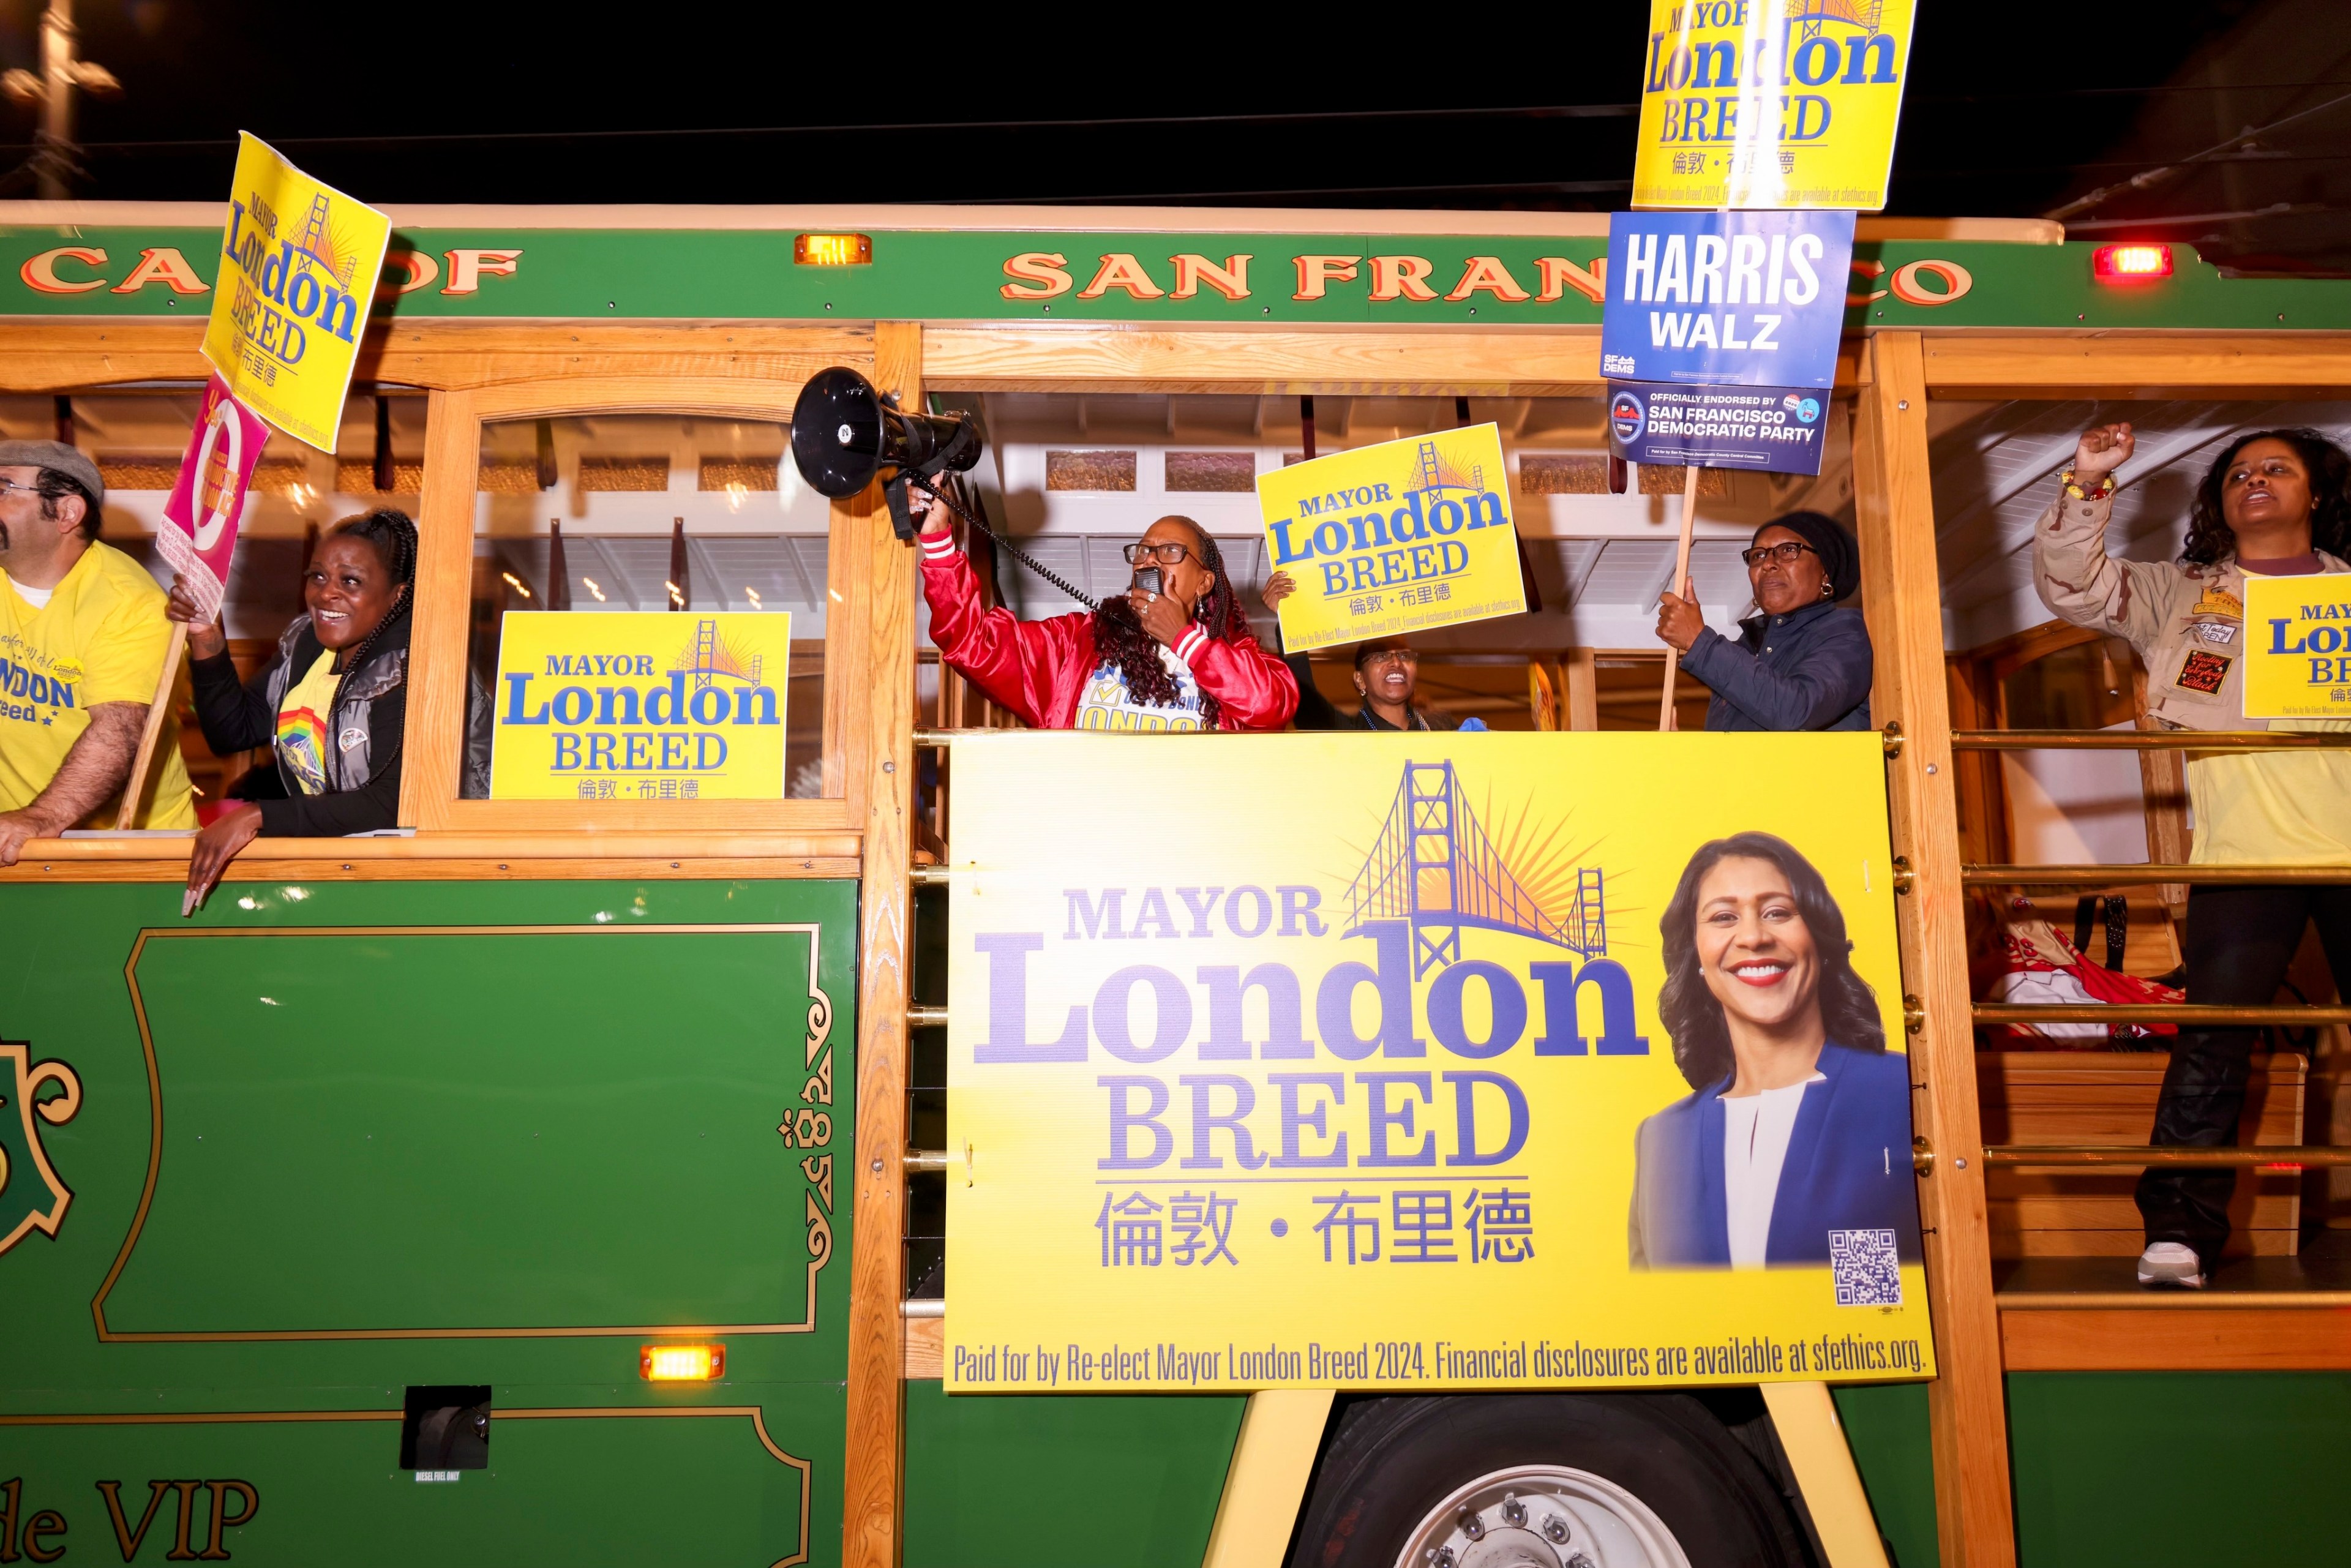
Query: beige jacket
x=2187, y=622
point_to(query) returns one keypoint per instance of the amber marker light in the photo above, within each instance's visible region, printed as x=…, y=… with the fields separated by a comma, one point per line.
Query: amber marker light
x=2130, y=263
x=682, y=1362
x=833, y=250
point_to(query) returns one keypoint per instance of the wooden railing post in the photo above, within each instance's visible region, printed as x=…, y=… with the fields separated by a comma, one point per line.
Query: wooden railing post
x=1895, y=508
x=874, y=1455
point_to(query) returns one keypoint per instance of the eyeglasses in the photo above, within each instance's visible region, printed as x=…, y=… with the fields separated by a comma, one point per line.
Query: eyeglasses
x=8, y=485
x=1165, y=555
x=1786, y=552
x=1391, y=656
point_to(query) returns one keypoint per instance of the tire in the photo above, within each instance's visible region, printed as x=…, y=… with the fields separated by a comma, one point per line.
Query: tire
x=1618, y=1480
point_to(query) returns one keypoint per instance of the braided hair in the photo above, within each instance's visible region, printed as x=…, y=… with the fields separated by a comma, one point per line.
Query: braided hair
x=1120, y=639
x=391, y=534
x=2210, y=539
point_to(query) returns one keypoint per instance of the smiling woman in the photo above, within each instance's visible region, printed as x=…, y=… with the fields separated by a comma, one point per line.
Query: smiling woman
x=2274, y=503
x=330, y=704
x=1803, y=661
x=1797, y=1131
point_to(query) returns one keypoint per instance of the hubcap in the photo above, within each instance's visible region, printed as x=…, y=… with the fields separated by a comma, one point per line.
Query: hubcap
x=1540, y=1516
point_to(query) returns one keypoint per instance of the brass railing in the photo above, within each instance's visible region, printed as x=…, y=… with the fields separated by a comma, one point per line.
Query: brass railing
x=2127, y=1154
x=2147, y=739
x=2190, y=1014
x=2131, y=875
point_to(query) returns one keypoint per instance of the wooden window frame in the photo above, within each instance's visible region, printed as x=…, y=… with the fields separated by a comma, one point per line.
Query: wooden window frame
x=455, y=419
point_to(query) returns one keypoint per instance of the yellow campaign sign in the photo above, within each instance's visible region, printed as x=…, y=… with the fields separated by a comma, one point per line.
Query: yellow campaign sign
x=1426, y=1061
x=1390, y=540
x=2297, y=646
x=1772, y=103
x=299, y=262
x=640, y=706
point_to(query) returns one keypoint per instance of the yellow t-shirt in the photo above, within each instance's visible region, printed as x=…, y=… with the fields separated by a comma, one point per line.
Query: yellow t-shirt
x=2272, y=808
x=303, y=715
x=99, y=639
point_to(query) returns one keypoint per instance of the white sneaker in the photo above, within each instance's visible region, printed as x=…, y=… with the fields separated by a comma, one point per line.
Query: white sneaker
x=2169, y=1263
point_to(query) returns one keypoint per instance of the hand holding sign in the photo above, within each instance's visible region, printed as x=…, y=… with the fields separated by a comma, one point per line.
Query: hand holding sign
x=1393, y=539
x=1679, y=619
x=198, y=536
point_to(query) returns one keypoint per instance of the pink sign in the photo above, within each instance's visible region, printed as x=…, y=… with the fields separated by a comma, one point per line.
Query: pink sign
x=200, y=520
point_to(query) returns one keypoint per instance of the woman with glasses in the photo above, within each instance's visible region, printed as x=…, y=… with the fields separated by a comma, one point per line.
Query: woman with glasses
x=1173, y=653
x=2274, y=503
x=1802, y=661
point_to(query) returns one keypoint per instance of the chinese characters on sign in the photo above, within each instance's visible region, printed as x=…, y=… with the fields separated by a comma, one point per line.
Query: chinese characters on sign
x=2297, y=647
x=1250, y=1104
x=1393, y=539
x=640, y=705
x=298, y=266
x=1771, y=103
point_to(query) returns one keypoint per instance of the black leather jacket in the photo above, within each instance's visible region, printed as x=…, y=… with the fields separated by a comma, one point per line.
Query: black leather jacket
x=363, y=742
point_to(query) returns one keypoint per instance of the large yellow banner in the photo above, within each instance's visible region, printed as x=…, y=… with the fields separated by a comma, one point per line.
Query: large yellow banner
x=1432, y=1061
x=298, y=266
x=1394, y=538
x=1772, y=103
x=640, y=706
x=2297, y=647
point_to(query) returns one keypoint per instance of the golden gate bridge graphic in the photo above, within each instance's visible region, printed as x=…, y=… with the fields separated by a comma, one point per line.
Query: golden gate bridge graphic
x=318, y=245
x=1433, y=470
x=1434, y=867
x=709, y=656
x=1862, y=14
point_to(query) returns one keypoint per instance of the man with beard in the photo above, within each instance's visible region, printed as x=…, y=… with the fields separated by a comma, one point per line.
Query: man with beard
x=82, y=636
x=1176, y=657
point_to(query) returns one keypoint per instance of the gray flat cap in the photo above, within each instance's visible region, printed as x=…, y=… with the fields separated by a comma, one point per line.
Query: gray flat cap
x=55, y=455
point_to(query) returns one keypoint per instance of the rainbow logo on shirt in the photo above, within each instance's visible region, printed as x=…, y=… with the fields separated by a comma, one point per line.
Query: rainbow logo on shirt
x=302, y=747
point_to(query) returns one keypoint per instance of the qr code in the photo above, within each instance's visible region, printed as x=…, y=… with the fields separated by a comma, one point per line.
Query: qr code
x=1868, y=1271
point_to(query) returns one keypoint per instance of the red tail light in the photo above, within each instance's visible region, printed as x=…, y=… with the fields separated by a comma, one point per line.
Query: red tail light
x=2130, y=263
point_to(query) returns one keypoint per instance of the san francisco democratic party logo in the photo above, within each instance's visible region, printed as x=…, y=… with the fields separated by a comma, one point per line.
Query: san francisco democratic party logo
x=1626, y=415
x=31, y=1195
x=1805, y=409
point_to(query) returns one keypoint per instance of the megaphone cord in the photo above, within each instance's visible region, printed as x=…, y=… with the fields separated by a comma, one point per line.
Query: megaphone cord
x=1022, y=556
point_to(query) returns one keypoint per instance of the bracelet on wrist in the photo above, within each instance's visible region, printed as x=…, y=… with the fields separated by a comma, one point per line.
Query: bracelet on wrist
x=2099, y=492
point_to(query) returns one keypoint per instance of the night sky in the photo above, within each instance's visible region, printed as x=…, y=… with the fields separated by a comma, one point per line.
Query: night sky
x=542, y=103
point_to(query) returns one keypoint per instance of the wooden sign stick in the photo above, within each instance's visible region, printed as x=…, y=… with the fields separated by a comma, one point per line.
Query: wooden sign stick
x=1667, y=719
x=135, y=787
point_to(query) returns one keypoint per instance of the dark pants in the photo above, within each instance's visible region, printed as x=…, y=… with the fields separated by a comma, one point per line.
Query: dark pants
x=2239, y=941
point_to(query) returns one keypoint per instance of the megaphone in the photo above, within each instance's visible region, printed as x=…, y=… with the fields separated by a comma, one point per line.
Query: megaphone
x=845, y=434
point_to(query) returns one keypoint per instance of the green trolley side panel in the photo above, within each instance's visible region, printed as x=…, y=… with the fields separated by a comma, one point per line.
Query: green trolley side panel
x=1070, y=1480
x=2262, y=1448
x=269, y=1168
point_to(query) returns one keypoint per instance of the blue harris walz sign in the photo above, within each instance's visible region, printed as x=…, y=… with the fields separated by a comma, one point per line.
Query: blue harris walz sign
x=1725, y=298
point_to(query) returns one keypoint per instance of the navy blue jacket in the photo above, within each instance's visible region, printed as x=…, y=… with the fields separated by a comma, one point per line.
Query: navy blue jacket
x=1848, y=1168
x=1807, y=669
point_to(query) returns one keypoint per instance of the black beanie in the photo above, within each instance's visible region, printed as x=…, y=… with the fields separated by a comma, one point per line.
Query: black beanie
x=1839, y=560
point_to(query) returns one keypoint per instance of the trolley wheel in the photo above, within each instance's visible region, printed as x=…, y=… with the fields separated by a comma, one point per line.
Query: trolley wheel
x=1542, y=1480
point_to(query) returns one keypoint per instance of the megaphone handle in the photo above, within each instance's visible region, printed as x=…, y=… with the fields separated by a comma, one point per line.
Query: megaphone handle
x=901, y=518
x=1022, y=556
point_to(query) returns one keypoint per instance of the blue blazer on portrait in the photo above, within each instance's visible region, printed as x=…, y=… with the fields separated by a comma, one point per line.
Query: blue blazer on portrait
x=1848, y=1168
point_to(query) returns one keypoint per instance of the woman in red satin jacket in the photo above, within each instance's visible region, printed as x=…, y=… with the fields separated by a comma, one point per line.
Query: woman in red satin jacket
x=1179, y=659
